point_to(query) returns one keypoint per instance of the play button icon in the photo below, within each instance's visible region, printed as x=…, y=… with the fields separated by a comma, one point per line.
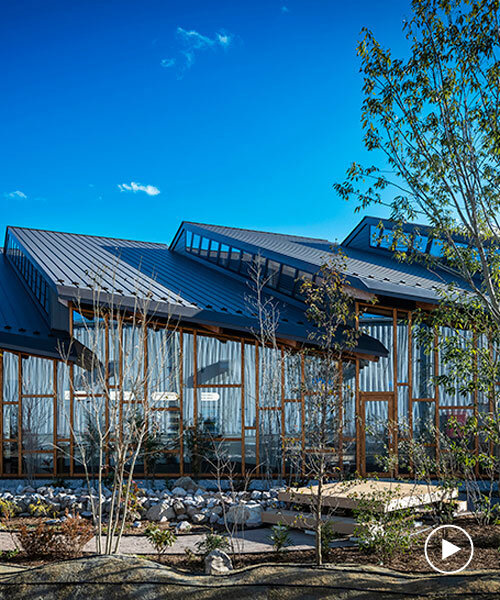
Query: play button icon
x=448, y=549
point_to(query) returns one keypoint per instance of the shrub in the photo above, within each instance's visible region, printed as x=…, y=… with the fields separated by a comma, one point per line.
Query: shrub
x=280, y=537
x=7, y=509
x=212, y=542
x=56, y=541
x=161, y=539
x=380, y=532
x=328, y=534
x=40, y=509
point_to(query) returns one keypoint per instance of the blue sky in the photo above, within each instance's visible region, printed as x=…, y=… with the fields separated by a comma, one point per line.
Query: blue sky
x=123, y=118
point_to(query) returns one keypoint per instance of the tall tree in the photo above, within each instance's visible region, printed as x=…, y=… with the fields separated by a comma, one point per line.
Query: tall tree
x=434, y=115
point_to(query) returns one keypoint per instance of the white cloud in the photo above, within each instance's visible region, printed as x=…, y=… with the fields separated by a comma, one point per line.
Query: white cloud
x=191, y=42
x=16, y=194
x=284, y=9
x=150, y=190
x=168, y=62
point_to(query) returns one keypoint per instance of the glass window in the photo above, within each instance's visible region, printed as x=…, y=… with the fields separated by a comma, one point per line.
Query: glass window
x=224, y=255
x=246, y=264
x=436, y=248
x=196, y=242
x=234, y=261
x=37, y=424
x=38, y=375
x=219, y=362
x=287, y=279
x=214, y=251
x=272, y=273
x=29, y=272
x=204, y=247
x=219, y=411
x=424, y=415
x=378, y=376
x=10, y=377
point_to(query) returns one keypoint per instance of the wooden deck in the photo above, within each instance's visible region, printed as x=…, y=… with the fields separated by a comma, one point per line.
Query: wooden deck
x=391, y=495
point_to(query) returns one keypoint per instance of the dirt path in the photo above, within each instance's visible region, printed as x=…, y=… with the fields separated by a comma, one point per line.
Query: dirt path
x=252, y=541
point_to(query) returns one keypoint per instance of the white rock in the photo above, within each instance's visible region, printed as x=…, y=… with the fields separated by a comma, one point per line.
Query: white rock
x=256, y=495
x=183, y=527
x=218, y=563
x=160, y=512
x=198, y=518
x=255, y=516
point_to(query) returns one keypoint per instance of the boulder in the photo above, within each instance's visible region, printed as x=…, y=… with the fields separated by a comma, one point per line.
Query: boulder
x=160, y=512
x=179, y=491
x=249, y=514
x=198, y=518
x=218, y=562
x=183, y=527
x=178, y=507
x=255, y=514
x=186, y=483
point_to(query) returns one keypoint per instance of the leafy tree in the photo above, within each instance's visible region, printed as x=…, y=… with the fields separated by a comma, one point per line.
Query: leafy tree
x=435, y=118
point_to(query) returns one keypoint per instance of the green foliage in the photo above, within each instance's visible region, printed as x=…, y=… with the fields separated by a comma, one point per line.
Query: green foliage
x=56, y=541
x=212, y=541
x=383, y=533
x=433, y=117
x=328, y=534
x=161, y=539
x=9, y=554
x=7, y=509
x=41, y=509
x=134, y=507
x=280, y=537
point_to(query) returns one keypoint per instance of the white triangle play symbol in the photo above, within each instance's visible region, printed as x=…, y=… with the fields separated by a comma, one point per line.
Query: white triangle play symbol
x=448, y=549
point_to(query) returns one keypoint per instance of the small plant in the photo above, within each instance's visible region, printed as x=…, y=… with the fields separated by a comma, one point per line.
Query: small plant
x=328, y=534
x=134, y=507
x=7, y=509
x=56, y=541
x=212, y=541
x=161, y=539
x=380, y=532
x=41, y=509
x=280, y=537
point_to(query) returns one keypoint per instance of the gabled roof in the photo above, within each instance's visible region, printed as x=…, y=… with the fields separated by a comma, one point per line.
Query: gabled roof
x=178, y=286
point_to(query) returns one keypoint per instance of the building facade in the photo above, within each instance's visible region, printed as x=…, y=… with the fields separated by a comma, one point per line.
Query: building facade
x=200, y=347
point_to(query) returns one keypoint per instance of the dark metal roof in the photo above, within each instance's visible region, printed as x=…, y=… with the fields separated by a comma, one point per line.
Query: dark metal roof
x=178, y=286
x=22, y=326
x=375, y=271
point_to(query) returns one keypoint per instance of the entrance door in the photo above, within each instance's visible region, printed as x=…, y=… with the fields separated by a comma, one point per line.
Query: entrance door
x=376, y=431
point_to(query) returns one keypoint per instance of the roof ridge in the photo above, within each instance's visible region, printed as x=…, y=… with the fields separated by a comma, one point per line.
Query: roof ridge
x=102, y=237
x=288, y=235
